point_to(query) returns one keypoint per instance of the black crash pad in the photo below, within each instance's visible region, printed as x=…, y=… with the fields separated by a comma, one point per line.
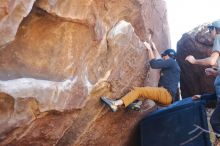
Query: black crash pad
x=174, y=125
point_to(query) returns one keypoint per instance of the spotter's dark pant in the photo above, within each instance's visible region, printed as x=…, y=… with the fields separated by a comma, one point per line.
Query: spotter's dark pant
x=215, y=118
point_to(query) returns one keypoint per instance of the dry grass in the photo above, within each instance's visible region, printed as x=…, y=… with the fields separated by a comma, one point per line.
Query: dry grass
x=209, y=112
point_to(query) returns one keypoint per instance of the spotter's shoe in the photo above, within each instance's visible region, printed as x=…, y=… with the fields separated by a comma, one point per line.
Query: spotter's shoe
x=109, y=102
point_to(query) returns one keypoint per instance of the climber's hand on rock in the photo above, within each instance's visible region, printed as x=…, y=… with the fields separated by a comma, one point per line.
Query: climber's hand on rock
x=153, y=45
x=147, y=45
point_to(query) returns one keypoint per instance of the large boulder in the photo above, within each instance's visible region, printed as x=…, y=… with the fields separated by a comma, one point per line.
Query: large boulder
x=65, y=55
x=198, y=42
x=62, y=75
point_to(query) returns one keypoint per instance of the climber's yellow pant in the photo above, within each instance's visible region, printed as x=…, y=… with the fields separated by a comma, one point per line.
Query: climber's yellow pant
x=158, y=94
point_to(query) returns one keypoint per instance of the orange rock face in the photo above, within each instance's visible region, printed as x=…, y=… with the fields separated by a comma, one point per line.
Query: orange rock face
x=12, y=13
x=16, y=113
x=66, y=54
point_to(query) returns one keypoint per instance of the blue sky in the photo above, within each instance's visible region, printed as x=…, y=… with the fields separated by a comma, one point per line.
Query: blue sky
x=184, y=15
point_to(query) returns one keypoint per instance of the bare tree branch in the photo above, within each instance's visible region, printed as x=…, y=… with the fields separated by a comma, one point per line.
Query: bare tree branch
x=207, y=131
x=202, y=130
x=191, y=139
